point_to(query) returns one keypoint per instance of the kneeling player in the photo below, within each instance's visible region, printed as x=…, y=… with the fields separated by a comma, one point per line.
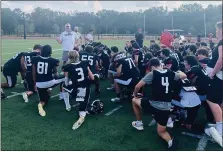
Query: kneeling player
x=11, y=68
x=77, y=84
x=29, y=78
x=161, y=81
x=87, y=55
x=127, y=74
x=43, y=69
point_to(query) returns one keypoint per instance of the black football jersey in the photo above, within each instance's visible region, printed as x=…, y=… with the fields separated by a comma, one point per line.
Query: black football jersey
x=129, y=69
x=44, y=67
x=105, y=59
x=162, y=85
x=28, y=59
x=141, y=57
x=13, y=65
x=202, y=79
x=78, y=73
x=173, y=61
x=91, y=58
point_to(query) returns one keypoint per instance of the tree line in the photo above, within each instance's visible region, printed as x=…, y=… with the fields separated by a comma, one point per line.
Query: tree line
x=189, y=17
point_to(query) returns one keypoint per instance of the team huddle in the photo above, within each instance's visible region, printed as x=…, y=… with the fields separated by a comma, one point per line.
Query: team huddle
x=170, y=83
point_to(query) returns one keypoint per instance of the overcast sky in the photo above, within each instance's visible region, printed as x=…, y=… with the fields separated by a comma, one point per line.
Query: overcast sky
x=94, y=6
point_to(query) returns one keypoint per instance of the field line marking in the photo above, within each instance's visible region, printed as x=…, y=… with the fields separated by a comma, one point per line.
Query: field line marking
x=112, y=111
x=55, y=96
x=196, y=136
x=202, y=143
x=75, y=105
x=14, y=92
x=191, y=135
x=152, y=122
x=18, y=94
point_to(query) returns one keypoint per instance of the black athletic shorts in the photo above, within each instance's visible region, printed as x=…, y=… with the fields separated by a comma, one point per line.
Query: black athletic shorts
x=215, y=93
x=43, y=94
x=81, y=95
x=10, y=78
x=29, y=81
x=161, y=116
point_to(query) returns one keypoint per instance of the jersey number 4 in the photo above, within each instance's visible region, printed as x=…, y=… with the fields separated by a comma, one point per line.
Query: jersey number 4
x=165, y=83
x=42, y=67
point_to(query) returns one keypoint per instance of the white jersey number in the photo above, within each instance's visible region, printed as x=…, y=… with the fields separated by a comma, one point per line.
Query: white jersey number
x=131, y=63
x=28, y=60
x=89, y=58
x=165, y=83
x=81, y=73
x=42, y=67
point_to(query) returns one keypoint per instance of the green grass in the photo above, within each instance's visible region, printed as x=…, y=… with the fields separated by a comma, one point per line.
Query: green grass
x=23, y=129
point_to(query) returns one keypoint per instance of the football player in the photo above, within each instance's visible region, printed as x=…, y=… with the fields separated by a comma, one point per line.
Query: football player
x=202, y=56
x=161, y=81
x=112, y=70
x=11, y=68
x=127, y=74
x=29, y=78
x=77, y=84
x=199, y=78
x=87, y=55
x=169, y=61
x=138, y=57
x=104, y=61
x=43, y=69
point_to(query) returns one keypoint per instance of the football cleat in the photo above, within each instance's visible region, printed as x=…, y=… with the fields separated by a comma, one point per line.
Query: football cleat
x=68, y=109
x=41, y=111
x=137, y=125
x=212, y=132
x=25, y=97
x=78, y=123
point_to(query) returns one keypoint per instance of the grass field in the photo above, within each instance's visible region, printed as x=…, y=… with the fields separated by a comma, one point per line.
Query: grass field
x=23, y=129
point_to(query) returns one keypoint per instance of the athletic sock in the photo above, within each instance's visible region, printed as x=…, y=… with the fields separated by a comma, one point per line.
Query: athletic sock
x=61, y=95
x=139, y=122
x=170, y=143
x=66, y=99
x=219, y=127
x=82, y=113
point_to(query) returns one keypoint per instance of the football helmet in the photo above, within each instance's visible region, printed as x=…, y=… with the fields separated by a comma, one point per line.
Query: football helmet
x=95, y=107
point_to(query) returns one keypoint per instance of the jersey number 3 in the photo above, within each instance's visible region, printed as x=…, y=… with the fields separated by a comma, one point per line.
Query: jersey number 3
x=42, y=67
x=165, y=83
x=81, y=73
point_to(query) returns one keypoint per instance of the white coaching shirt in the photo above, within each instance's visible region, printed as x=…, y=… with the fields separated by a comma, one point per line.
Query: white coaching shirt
x=68, y=40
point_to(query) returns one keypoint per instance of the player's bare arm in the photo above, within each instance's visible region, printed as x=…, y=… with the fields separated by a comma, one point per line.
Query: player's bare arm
x=218, y=65
x=119, y=71
x=138, y=87
x=90, y=74
x=23, y=67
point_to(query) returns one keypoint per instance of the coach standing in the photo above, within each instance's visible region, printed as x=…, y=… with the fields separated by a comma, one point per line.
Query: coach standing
x=68, y=41
x=139, y=38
